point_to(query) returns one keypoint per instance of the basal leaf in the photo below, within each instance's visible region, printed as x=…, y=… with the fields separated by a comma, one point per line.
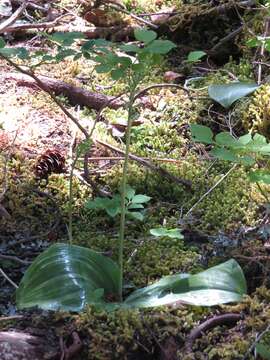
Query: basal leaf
x=227, y=94
x=201, y=133
x=220, y=284
x=67, y=277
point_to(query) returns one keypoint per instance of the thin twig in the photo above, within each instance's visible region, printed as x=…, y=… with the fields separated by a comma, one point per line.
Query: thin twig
x=157, y=86
x=137, y=18
x=11, y=20
x=14, y=258
x=258, y=338
x=44, y=25
x=210, y=190
x=9, y=318
x=8, y=278
x=267, y=23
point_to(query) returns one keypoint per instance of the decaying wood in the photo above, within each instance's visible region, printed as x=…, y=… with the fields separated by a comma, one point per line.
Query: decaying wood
x=21, y=346
x=76, y=95
x=5, y=24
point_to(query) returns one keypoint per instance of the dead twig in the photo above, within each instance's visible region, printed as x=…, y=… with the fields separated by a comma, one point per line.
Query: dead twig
x=14, y=258
x=8, y=278
x=267, y=24
x=43, y=25
x=11, y=20
x=224, y=319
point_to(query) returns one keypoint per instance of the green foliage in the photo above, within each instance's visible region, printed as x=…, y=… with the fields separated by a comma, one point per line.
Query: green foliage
x=67, y=277
x=244, y=150
x=195, y=56
x=171, y=233
x=263, y=351
x=227, y=94
x=134, y=204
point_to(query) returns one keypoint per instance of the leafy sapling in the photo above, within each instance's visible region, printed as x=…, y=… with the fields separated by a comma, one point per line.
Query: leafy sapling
x=68, y=277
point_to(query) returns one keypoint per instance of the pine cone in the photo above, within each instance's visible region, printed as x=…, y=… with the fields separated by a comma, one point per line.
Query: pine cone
x=51, y=161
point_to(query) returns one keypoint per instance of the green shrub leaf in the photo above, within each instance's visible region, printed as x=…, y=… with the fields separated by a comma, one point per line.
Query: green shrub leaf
x=227, y=94
x=201, y=133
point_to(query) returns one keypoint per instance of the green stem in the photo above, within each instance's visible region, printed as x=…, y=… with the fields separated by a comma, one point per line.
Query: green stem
x=123, y=192
x=70, y=200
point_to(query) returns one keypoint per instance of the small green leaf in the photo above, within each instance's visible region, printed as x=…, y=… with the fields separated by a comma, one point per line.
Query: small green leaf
x=254, y=42
x=140, y=199
x=135, y=215
x=100, y=69
x=201, y=133
x=245, y=139
x=171, y=233
x=160, y=47
x=263, y=351
x=146, y=36
x=224, y=154
x=117, y=74
x=67, y=38
x=130, y=48
x=2, y=43
x=227, y=94
x=259, y=176
x=226, y=139
x=195, y=56
x=129, y=192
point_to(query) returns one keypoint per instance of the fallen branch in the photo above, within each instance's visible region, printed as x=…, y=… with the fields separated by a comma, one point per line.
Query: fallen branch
x=76, y=95
x=30, y=26
x=14, y=258
x=11, y=20
x=225, y=319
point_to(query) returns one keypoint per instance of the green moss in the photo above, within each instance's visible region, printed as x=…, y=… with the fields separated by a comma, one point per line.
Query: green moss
x=256, y=116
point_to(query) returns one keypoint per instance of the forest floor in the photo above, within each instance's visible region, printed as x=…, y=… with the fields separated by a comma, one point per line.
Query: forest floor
x=232, y=221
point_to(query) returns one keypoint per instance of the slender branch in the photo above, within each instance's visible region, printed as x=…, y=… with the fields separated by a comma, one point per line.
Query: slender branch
x=14, y=258
x=258, y=338
x=267, y=23
x=157, y=86
x=44, y=25
x=8, y=278
x=211, y=189
x=137, y=18
x=11, y=20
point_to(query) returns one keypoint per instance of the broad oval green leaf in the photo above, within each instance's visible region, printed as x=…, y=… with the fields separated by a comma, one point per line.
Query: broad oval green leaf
x=201, y=133
x=194, y=56
x=263, y=351
x=226, y=139
x=159, y=47
x=220, y=284
x=67, y=277
x=146, y=36
x=227, y=94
